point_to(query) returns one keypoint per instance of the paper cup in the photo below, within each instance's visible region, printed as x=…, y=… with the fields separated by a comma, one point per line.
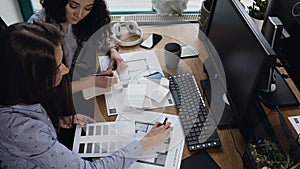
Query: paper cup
x=172, y=55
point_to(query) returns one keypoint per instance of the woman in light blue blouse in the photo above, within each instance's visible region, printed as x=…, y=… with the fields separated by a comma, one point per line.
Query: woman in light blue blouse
x=32, y=64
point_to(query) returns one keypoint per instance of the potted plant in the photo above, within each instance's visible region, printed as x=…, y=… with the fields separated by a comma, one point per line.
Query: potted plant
x=257, y=11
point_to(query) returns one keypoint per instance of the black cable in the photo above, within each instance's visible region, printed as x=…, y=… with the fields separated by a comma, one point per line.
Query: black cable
x=267, y=114
x=236, y=148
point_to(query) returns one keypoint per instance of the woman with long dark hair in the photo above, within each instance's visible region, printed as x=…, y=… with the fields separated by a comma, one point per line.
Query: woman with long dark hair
x=78, y=21
x=32, y=65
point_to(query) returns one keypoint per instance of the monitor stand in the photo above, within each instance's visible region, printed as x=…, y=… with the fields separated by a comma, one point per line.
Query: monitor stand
x=281, y=97
x=227, y=119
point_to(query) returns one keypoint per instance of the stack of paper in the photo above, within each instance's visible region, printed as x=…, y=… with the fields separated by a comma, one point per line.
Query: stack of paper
x=139, y=64
x=142, y=93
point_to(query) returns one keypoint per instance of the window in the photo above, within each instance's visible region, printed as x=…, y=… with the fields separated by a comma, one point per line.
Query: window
x=133, y=6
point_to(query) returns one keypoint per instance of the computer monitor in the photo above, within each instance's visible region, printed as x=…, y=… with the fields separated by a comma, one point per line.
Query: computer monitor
x=277, y=92
x=242, y=52
x=288, y=11
x=287, y=14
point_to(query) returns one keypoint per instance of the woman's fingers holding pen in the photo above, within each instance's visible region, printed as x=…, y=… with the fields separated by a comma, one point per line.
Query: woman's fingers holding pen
x=166, y=126
x=161, y=128
x=105, y=81
x=156, y=136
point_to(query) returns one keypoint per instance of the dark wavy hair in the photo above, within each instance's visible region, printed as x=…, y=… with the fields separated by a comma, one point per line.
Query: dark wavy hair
x=98, y=17
x=29, y=67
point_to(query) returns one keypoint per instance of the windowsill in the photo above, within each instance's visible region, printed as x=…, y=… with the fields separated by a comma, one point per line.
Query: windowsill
x=146, y=12
x=150, y=18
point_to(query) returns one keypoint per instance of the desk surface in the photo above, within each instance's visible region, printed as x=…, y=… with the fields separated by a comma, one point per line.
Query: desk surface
x=227, y=156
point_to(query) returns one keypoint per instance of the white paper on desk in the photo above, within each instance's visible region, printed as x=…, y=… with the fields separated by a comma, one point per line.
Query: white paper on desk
x=135, y=96
x=139, y=64
x=153, y=90
x=167, y=155
x=96, y=91
x=101, y=139
x=295, y=121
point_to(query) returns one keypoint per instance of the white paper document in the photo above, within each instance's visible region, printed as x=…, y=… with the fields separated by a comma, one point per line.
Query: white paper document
x=165, y=156
x=101, y=139
x=295, y=121
x=135, y=96
x=139, y=65
x=153, y=90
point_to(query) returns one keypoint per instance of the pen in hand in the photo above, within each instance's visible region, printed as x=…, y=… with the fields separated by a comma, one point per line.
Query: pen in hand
x=164, y=123
x=96, y=74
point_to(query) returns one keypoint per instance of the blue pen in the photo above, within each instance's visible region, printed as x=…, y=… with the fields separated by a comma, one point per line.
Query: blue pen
x=154, y=75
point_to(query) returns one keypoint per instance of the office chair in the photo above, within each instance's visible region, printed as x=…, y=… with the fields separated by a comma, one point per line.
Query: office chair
x=3, y=25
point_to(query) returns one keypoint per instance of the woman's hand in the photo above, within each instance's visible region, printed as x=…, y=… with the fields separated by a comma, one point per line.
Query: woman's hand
x=156, y=136
x=105, y=81
x=82, y=120
x=79, y=119
x=115, y=59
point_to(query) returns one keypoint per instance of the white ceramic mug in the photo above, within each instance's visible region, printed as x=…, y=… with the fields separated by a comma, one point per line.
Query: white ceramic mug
x=172, y=54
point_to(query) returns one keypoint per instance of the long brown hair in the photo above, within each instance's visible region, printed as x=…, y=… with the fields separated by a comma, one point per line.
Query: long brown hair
x=28, y=67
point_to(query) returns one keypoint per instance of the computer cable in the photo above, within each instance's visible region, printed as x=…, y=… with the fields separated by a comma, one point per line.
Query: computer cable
x=279, y=64
x=267, y=114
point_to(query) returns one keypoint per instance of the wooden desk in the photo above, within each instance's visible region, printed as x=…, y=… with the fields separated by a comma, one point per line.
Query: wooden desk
x=227, y=155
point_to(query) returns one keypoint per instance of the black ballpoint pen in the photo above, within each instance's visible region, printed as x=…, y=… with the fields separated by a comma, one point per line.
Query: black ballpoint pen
x=164, y=123
x=110, y=75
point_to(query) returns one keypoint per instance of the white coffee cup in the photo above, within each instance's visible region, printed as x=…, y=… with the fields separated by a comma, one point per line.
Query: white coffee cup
x=172, y=54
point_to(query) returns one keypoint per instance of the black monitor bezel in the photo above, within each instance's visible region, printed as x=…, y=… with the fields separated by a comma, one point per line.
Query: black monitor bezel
x=263, y=42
